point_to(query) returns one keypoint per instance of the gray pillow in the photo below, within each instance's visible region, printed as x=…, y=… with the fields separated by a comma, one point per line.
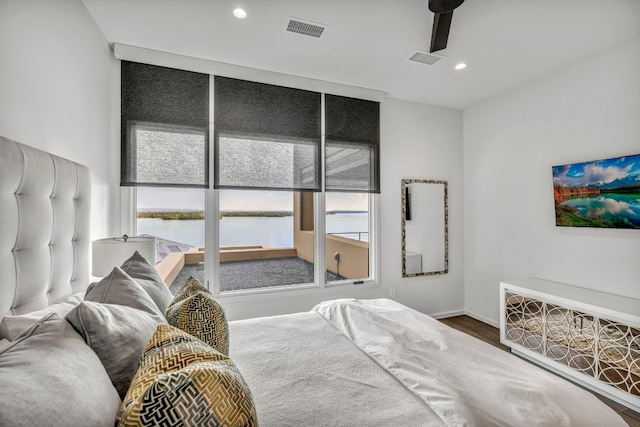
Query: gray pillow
x=49, y=376
x=146, y=275
x=120, y=288
x=116, y=320
x=12, y=326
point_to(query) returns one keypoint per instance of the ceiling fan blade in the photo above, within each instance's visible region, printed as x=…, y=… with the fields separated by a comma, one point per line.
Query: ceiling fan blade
x=444, y=6
x=440, y=31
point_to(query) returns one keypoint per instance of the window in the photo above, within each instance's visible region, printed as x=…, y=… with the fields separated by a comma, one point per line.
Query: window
x=347, y=236
x=259, y=246
x=175, y=217
x=271, y=220
x=265, y=238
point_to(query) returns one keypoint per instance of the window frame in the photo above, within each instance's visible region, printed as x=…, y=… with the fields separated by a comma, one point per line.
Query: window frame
x=212, y=246
x=128, y=197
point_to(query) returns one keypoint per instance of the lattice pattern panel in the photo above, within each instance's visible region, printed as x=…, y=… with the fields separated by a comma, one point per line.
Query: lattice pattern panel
x=606, y=350
x=570, y=338
x=524, y=321
x=619, y=355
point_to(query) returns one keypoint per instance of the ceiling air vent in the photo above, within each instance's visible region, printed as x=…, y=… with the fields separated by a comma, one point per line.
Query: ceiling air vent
x=306, y=28
x=425, y=58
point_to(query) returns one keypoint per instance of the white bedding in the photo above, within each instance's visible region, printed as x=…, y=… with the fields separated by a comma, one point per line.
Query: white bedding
x=303, y=372
x=465, y=381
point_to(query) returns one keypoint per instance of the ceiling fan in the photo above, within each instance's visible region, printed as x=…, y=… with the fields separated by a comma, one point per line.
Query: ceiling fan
x=443, y=12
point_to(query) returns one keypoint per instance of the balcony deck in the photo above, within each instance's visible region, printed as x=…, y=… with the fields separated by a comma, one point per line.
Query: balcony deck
x=252, y=267
x=252, y=274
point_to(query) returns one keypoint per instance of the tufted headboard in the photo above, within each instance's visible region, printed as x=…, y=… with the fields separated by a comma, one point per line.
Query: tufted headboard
x=45, y=203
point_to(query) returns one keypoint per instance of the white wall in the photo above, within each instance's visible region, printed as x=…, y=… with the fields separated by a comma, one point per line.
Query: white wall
x=421, y=142
x=588, y=111
x=55, y=91
x=417, y=141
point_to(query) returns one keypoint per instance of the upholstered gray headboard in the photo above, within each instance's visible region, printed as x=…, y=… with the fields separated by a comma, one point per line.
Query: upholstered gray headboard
x=45, y=203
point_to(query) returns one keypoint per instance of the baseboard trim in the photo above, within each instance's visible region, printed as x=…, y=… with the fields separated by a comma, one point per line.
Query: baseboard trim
x=448, y=314
x=476, y=316
x=483, y=319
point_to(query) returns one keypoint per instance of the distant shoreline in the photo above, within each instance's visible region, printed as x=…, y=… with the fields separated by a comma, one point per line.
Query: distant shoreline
x=199, y=215
x=196, y=215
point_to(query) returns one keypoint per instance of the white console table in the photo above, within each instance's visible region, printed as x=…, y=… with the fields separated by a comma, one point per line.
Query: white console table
x=588, y=336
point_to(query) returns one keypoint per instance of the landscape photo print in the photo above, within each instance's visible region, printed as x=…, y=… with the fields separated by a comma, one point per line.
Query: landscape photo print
x=601, y=193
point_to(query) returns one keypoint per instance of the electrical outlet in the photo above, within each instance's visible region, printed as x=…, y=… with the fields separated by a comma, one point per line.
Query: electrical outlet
x=392, y=292
x=336, y=256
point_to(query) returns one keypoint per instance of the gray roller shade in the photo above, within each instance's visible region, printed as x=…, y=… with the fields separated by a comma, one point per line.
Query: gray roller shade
x=266, y=136
x=352, y=144
x=165, y=127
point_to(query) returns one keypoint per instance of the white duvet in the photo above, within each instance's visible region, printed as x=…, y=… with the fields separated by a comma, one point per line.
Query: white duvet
x=465, y=381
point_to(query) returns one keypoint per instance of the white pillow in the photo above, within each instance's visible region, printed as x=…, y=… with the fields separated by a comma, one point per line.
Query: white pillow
x=12, y=326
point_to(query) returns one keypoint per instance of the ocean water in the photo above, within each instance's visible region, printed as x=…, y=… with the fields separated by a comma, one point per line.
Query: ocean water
x=272, y=231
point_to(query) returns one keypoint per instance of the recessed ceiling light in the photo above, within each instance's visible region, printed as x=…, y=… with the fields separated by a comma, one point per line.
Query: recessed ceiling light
x=460, y=66
x=239, y=13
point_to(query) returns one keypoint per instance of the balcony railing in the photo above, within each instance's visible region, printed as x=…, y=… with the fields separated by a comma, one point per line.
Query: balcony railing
x=362, y=236
x=354, y=261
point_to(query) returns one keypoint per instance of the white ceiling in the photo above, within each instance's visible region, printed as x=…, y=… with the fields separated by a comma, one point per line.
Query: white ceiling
x=504, y=42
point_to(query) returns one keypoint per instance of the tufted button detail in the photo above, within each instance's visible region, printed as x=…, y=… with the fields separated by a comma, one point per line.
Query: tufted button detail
x=44, y=232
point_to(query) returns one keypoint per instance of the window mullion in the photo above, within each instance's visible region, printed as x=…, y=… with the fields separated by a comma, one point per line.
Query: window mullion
x=128, y=211
x=212, y=243
x=319, y=214
x=374, y=236
x=212, y=214
x=319, y=240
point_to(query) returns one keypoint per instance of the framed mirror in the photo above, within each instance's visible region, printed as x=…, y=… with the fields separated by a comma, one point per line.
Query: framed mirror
x=425, y=228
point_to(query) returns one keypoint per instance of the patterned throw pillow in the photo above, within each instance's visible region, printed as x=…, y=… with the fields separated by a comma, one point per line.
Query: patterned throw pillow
x=189, y=288
x=194, y=310
x=183, y=381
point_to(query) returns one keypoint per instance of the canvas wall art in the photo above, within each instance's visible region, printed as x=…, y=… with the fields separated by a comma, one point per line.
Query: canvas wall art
x=601, y=193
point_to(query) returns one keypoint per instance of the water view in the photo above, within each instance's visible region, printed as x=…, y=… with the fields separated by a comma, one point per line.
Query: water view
x=252, y=230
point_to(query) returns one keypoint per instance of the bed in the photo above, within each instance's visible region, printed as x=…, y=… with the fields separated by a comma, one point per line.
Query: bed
x=346, y=362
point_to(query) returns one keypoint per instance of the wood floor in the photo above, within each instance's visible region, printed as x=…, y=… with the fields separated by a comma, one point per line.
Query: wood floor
x=491, y=335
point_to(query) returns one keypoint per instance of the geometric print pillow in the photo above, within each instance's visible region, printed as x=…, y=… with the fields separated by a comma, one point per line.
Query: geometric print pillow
x=196, y=311
x=190, y=287
x=183, y=381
